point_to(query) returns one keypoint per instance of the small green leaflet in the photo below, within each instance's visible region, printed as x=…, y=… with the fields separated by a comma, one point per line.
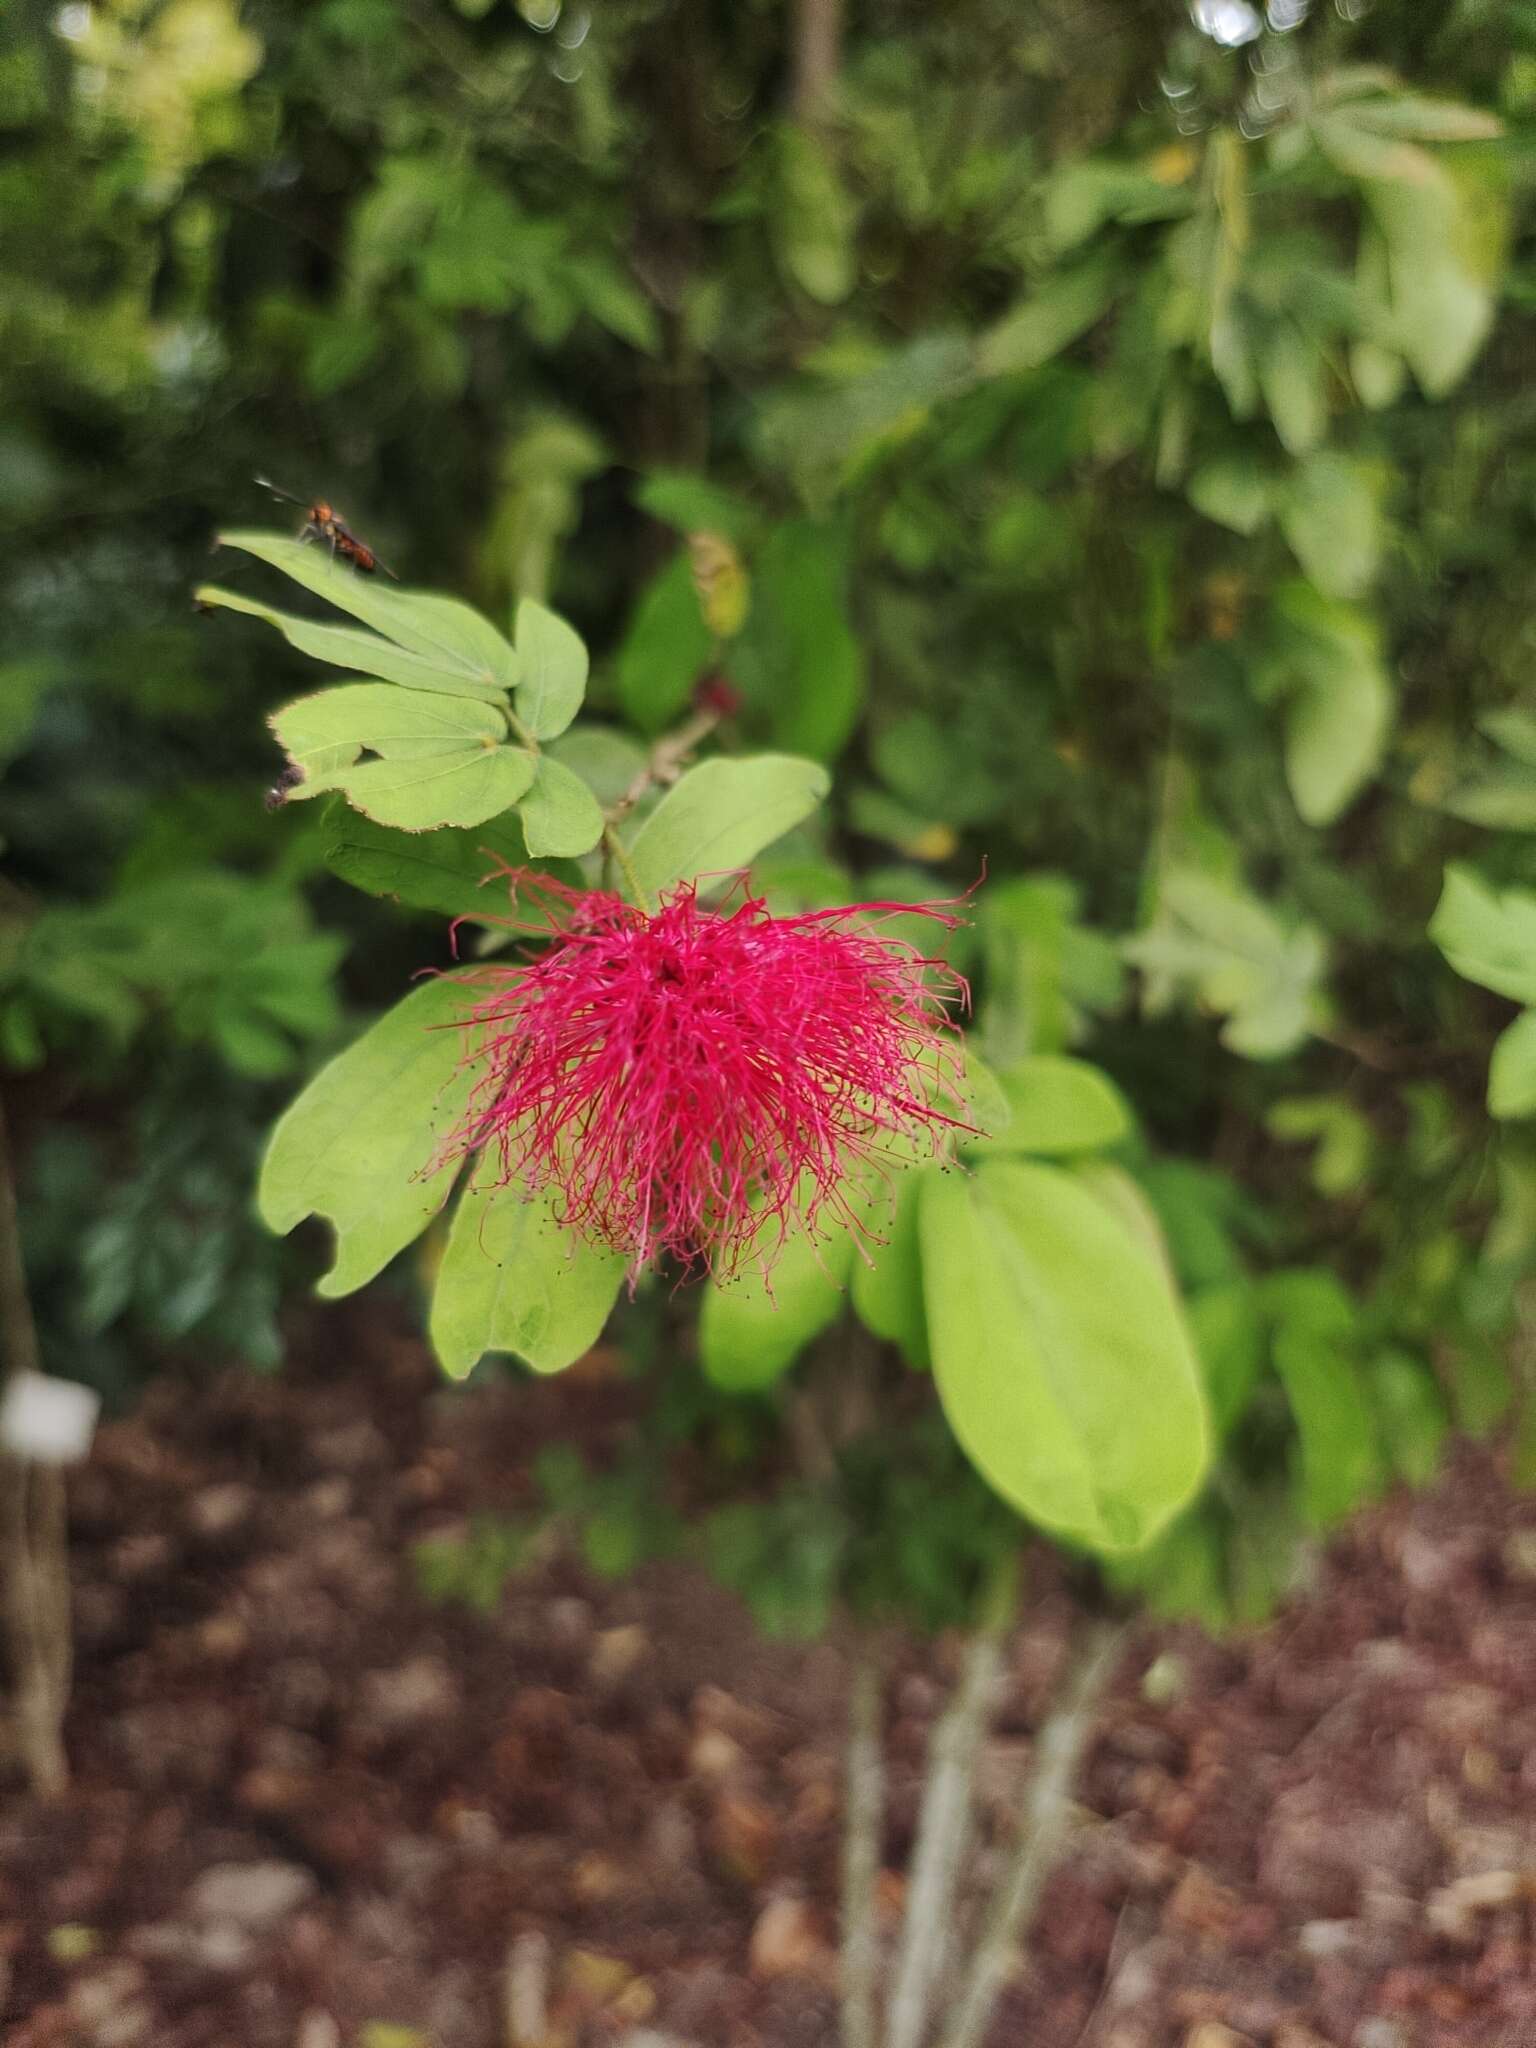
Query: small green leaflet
x=560, y=814
x=1488, y=937
x=441, y=761
x=354, y=1147
x=512, y=1279
x=346, y=647
x=455, y=640
x=553, y=664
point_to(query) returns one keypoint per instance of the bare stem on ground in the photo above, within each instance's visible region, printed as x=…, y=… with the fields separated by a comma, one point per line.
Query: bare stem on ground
x=944, y=1820
x=863, y=1824
x=1060, y=1747
x=34, y=1550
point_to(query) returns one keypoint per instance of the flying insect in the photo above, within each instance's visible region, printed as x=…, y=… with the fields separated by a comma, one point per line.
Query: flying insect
x=323, y=522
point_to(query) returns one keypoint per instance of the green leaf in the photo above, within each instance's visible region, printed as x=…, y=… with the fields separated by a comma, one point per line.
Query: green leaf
x=798, y=662
x=1412, y=1412
x=1420, y=119
x=721, y=815
x=886, y=1273
x=1331, y=516
x=1060, y=1354
x=1344, y=1138
x=693, y=504
x=1291, y=379
x=356, y=1144
x=23, y=686
x=1058, y=1105
x=560, y=814
x=607, y=761
x=457, y=641
x=1488, y=938
x=1339, y=711
x=1234, y=491
x=665, y=650
x=1512, y=1073
x=324, y=733
x=440, y=761
x=453, y=871
x=812, y=220
x=1065, y=306
x=752, y=1329
x=346, y=647
x=1444, y=237
x=458, y=789
x=1228, y=1330
x=553, y=670
x=512, y=1279
x=1238, y=959
x=1338, y=1465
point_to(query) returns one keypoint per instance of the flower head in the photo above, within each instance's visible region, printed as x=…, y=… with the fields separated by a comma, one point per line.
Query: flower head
x=700, y=1081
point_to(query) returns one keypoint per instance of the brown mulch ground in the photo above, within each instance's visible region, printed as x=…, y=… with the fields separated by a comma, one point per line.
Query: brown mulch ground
x=312, y=1810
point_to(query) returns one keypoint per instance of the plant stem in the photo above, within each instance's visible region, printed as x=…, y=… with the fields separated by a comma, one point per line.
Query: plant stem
x=661, y=765
x=34, y=1553
x=863, y=1822
x=618, y=853
x=817, y=58
x=945, y=1816
x=1059, y=1750
x=665, y=758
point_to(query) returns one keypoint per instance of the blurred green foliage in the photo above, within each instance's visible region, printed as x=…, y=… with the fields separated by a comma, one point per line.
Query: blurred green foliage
x=1105, y=444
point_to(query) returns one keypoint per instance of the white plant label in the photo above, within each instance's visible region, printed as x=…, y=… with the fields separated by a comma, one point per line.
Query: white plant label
x=49, y=1420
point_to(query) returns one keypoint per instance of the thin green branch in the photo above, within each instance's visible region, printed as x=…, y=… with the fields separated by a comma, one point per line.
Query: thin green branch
x=618, y=853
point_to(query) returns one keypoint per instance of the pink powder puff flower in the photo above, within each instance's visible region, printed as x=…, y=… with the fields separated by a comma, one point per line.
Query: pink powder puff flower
x=701, y=1081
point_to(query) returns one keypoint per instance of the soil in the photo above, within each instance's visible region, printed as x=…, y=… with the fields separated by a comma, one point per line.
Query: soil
x=312, y=1809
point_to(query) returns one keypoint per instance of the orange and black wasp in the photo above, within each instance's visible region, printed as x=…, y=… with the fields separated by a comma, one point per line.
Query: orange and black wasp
x=323, y=522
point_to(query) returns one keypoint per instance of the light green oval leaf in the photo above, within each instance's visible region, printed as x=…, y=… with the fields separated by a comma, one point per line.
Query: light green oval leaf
x=354, y=1146
x=560, y=814
x=721, y=815
x=455, y=639
x=346, y=647
x=1512, y=1074
x=1338, y=715
x=323, y=734
x=1330, y=512
x=1234, y=491
x=1061, y=1355
x=1058, y=1104
x=751, y=1330
x=1488, y=937
x=553, y=661
x=512, y=1279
